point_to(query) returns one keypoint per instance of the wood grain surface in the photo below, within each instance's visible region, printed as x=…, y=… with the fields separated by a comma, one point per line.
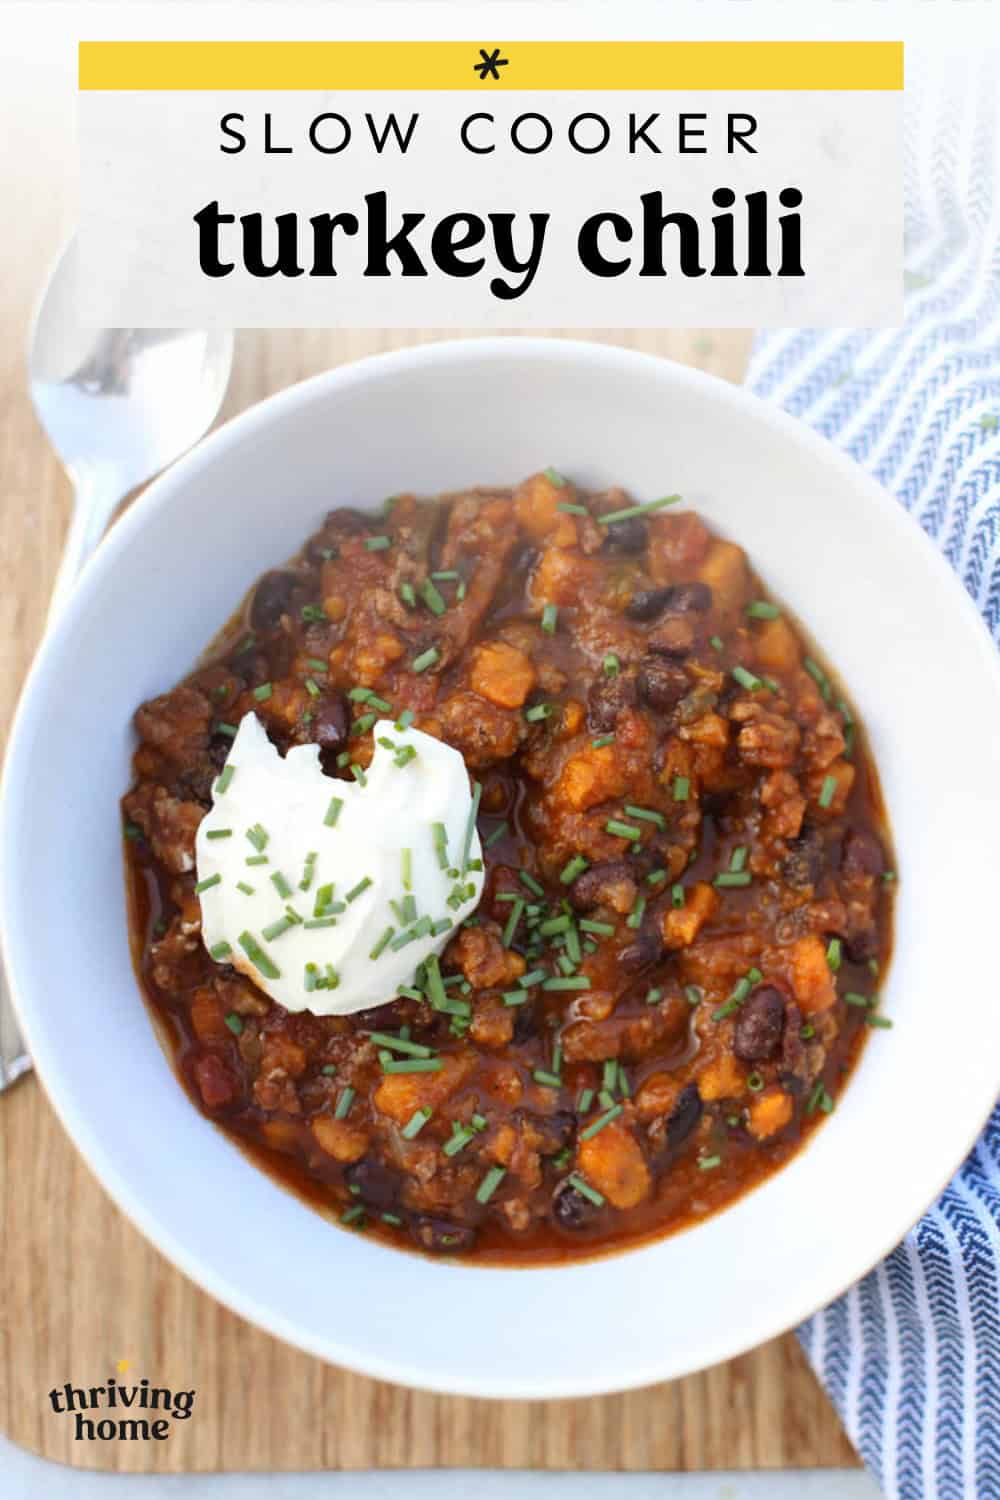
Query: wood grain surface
x=80, y=1290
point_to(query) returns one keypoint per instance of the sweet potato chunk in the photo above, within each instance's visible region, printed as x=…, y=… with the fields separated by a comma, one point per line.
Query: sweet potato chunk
x=612, y=1162
x=776, y=646
x=769, y=1113
x=502, y=674
x=339, y=1138
x=400, y=1095
x=810, y=975
x=536, y=504
x=682, y=925
x=590, y=777
x=721, y=1079
x=725, y=571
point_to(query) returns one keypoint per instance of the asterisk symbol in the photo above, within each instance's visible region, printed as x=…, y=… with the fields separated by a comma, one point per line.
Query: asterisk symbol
x=491, y=63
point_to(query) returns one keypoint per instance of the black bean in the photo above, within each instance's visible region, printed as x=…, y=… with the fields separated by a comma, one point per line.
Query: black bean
x=862, y=945
x=525, y=1024
x=380, y=1017
x=862, y=853
x=570, y=1209
x=330, y=721
x=605, y=701
x=648, y=604
x=684, y=1116
x=646, y=947
x=759, y=1024
x=272, y=599
x=678, y=598
x=587, y=889
x=627, y=536
x=377, y=1186
x=661, y=684
x=442, y=1237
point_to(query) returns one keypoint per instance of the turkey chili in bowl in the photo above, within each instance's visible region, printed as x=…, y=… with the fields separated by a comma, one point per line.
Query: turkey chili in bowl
x=670, y=909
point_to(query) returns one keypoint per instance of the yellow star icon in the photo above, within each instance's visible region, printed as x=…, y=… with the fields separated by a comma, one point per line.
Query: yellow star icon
x=123, y=1365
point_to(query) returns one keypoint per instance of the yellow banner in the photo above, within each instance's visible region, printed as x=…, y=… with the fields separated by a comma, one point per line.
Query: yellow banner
x=145, y=66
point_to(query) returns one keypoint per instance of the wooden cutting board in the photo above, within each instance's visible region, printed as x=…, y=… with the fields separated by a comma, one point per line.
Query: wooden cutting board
x=82, y=1296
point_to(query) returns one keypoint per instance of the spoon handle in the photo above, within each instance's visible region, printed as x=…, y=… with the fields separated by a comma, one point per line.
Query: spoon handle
x=95, y=500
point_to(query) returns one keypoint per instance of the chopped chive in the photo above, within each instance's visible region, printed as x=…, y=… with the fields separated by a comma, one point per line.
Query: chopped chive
x=634, y=919
x=257, y=859
x=517, y=911
x=312, y=613
x=447, y=575
x=754, y=1082
x=229, y=730
x=355, y=1215
x=235, y=1023
x=827, y=790
x=381, y=704
x=747, y=679
x=654, y=996
x=875, y=1020
x=585, y=1190
x=363, y=724
x=206, y=885
x=738, y=858
x=359, y=694
x=497, y=833
x=760, y=609
x=382, y=943
x=425, y=659
x=219, y=951
x=219, y=833
x=677, y=896
x=833, y=954
x=308, y=870
x=377, y=543
x=263, y=692
x=567, y=982
x=470, y=827
x=269, y=934
x=413, y=1065
x=706, y=1163
x=733, y=878
x=515, y=997
x=281, y=884
x=682, y=787
x=317, y=663
x=741, y=990
x=415, y=1123
x=602, y=929
x=656, y=877
x=571, y=508
x=716, y=643
x=255, y=953
x=356, y=891
x=819, y=677
x=622, y=830
x=602, y=1120
x=490, y=1183
x=532, y=884
x=611, y=666
x=314, y=922
x=358, y=773
x=637, y=510
x=554, y=925
x=225, y=779
x=555, y=478
x=247, y=890
x=312, y=688
x=432, y=597
x=852, y=998
x=537, y=712
x=404, y=755
x=461, y=1136
x=440, y=834
x=533, y=977
x=646, y=815
x=602, y=740
x=546, y=1079
x=406, y=870
x=258, y=837
x=585, y=1100
x=550, y=619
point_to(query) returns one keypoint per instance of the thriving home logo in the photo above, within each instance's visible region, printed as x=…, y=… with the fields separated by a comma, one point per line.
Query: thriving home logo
x=75, y=1401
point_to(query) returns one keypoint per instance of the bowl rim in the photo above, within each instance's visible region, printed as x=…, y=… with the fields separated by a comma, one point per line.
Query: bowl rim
x=159, y=494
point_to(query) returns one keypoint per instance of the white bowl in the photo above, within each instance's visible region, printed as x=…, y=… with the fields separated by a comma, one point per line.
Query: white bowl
x=881, y=603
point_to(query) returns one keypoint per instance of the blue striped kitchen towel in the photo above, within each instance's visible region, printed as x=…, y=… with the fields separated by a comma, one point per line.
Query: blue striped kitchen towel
x=911, y=1355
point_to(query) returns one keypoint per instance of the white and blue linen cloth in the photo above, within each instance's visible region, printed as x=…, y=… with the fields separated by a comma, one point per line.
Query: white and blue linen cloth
x=911, y=1355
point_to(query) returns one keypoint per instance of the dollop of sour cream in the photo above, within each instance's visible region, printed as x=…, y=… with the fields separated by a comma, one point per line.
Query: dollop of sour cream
x=329, y=894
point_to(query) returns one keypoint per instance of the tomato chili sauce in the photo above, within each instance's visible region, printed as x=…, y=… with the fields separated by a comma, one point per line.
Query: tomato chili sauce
x=688, y=901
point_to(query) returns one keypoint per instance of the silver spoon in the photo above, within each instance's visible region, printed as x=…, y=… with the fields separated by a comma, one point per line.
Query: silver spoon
x=118, y=405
